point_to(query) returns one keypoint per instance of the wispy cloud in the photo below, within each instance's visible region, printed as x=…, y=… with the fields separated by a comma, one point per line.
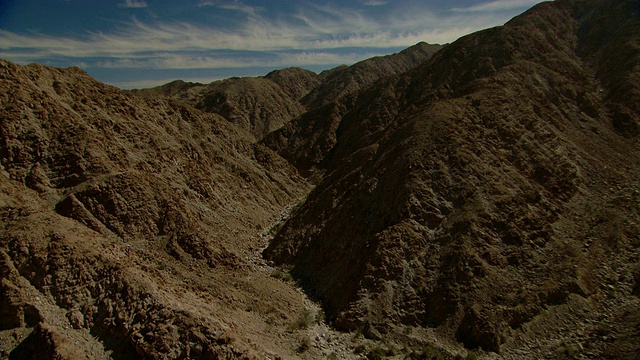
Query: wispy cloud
x=185, y=61
x=313, y=35
x=205, y=3
x=133, y=4
x=164, y=41
x=497, y=5
x=375, y=2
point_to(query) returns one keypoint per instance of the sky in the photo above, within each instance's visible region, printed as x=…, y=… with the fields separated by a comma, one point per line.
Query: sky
x=145, y=43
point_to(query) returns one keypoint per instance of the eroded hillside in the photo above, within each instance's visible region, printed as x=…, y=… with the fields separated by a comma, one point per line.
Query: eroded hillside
x=475, y=199
x=489, y=196
x=264, y=104
x=130, y=227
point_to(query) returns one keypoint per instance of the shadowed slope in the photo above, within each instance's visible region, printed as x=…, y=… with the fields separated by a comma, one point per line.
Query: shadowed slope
x=464, y=195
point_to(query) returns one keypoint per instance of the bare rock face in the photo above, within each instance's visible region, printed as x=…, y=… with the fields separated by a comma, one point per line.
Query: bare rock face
x=474, y=195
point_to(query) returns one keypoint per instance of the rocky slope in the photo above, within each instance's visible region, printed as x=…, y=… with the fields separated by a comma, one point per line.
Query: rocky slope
x=489, y=196
x=479, y=201
x=264, y=104
x=130, y=227
x=258, y=105
x=346, y=80
x=307, y=140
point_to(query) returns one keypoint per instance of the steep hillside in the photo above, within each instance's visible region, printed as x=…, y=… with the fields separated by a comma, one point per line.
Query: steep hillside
x=489, y=196
x=264, y=104
x=259, y=105
x=347, y=80
x=130, y=227
x=256, y=104
x=306, y=141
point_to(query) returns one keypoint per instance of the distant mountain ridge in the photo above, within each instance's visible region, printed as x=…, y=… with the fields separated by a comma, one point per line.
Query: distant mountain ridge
x=264, y=104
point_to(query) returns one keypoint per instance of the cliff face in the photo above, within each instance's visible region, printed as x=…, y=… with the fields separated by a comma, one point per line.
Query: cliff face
x=485, y=193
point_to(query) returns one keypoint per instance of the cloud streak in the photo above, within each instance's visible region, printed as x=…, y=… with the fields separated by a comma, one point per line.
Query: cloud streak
x=133, y=4
x=375, y=2
x=325, y=29
x=498, y=5
x=311, y=35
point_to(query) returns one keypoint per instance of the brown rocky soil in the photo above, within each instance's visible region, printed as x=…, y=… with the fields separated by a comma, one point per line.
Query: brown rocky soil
x=480, y=201
x=258, y=105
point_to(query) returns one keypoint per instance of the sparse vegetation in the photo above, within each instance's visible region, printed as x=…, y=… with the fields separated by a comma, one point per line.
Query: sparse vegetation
x=426, y=352
x=359, y=349
x=305, y=344
x=473, y=355
x=320, y=316
x=303, y=321
x=281, y=275
x=570, y=350
x=377, y=353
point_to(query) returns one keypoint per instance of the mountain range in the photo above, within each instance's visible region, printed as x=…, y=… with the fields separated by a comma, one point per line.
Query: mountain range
x=479, y=199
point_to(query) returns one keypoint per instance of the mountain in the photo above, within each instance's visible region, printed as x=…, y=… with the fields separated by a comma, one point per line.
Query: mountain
x=346, y=80
x=473, y=200
x=130, y=227
x=258, y=105
x=264, y=104
x=489, y=196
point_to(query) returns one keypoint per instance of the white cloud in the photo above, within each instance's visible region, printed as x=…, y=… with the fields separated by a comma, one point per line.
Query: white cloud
x=375, y=2
x=133, y=4
x=498, y=5
x=182, y=61
x=206, y=3
x=315, y=35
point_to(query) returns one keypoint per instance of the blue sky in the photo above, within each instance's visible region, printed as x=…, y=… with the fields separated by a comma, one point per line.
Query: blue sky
x=143, y=43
